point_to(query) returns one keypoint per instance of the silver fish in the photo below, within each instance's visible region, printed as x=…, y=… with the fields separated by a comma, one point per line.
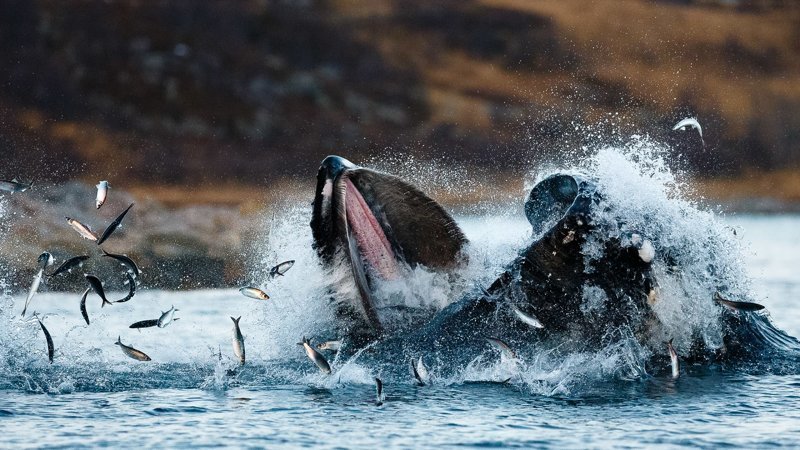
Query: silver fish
x=102, y=193
x=144, y=324
x=83, y=305
x=505, y=350
x=97, y=285
x=44, y=260
x=238, y=340
x=114, y=225
x=82, y=229
x=690, y=122
x=330, y=345
x=316, y=356
x=37, y=279
x=379, y=397
x=281, y=268
x=528, y=319
x=167, y=317
x=132, y=352
x=255, y=293
x=737, y=306
x=131, y=282
x=129, y=264
x=49, y=341
x=14, y=186
x=69, y=264
x=420, y=371
x=673, y=357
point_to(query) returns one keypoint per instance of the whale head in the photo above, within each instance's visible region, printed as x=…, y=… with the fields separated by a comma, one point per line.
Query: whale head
x=380, y=226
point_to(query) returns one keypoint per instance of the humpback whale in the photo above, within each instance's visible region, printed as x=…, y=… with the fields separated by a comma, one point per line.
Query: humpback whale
x=371, y=223
x=376, y=228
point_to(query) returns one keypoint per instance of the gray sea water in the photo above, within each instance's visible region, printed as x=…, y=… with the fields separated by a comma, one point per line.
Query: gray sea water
x=92, y=395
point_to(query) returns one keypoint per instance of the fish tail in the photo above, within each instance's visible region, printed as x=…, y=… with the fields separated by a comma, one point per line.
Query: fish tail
x=119, y=340
x=105, y=302
x=236, y=320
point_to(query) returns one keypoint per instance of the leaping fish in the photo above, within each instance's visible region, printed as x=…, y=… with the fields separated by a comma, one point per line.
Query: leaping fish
x=505, y=350
x=44, y=260
x=84, y=313
x=673, y=358
x=102, y=193
x=114, y=225
x=255, y=293
x=132, y=352
x=167, y=317
x=528, y=319
x=97, y=285
x=690, y=122
x=82, y=229
x=131, y=288
x=420, y=371
x=69, y=264
x=281, y=268
x=238, y=340
x=144, y=324
x=737, y=306
x=129, y=264
x=315, y=356
x=14, y=186
x=49, y=341
x=379, y=397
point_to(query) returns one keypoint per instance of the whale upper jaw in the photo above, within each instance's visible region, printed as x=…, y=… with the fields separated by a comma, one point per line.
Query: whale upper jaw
x=380, y=226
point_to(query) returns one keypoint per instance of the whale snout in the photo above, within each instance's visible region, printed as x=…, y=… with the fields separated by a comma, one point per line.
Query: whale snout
x=333, y=166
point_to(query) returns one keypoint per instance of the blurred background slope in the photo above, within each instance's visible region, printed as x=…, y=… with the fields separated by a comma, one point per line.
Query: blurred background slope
x=227, y=102
x=167, y=90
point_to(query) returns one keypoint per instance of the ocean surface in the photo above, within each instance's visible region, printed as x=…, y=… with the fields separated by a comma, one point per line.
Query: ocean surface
x=193, y=394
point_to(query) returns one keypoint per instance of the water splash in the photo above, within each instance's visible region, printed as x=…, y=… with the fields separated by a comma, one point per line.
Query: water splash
x=645, y=195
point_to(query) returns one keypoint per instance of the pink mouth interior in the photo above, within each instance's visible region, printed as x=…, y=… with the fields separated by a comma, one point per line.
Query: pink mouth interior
x=370, y=238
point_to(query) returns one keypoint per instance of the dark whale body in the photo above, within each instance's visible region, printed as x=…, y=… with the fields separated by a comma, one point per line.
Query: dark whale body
x=548, y=278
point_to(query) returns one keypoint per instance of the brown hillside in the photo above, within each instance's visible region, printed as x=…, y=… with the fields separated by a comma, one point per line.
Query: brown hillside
x=203, y=92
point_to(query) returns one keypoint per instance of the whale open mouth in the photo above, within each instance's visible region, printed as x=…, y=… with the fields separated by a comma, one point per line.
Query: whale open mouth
x=371, y=242
x=381, y=225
